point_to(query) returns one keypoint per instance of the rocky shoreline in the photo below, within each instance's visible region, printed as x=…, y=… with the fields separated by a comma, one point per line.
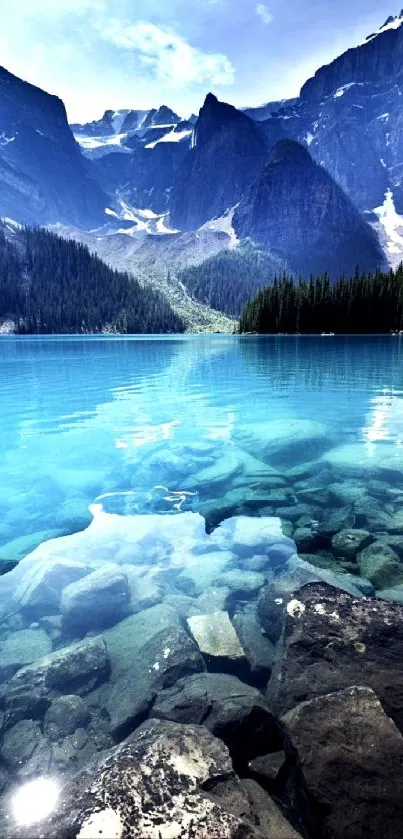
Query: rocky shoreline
x=233, y=674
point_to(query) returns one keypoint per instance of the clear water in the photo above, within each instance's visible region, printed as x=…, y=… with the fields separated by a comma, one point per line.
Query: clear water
x=195, y=467
x=81, y=416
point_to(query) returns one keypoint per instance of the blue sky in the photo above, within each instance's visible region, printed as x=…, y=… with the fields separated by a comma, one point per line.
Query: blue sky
x=98, y=54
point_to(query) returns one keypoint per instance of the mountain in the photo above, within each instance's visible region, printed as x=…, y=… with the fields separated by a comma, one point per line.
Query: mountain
x=350, y=116
x=297, y=211
x=43, y=175
x=228, y=151
x=53, y=285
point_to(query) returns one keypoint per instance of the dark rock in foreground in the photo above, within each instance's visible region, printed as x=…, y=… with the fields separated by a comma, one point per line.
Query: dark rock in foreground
x=332, y=641
x=350, y=756
x=233, y=711
x=167, y=780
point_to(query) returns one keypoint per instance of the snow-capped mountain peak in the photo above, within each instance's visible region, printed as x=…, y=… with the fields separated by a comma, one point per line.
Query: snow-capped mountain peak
x=390, y=23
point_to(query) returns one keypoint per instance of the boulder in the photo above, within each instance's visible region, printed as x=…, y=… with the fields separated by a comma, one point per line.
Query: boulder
x=332, y=641
x=380, y=564
x=350, y=760
x=284, y=442
x=235, y=712
x=154, y=785
x=169, y=655
x=259, y=650
x=348, y=543
x=217, y=641
x=19, y=743
x=75, y=669
x=22, y=648
x=270, y=610
x=202, y=572
x=243, y=585
x=100, y=599
x=395, y=525
x=354, y=459
x=67, y=713
x=269, y=817
x=39, y=589
x=268, y=767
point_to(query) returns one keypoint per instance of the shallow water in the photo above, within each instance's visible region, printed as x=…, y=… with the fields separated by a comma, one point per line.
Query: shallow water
x=81, y=416
x=183, y=473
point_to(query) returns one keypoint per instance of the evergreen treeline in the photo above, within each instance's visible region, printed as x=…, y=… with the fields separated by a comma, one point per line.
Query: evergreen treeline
x=361, y=304
x=52, y=285
x=227, y=280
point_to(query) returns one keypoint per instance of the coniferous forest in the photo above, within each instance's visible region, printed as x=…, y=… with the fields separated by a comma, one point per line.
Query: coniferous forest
x=51, y=285
x=363, y=303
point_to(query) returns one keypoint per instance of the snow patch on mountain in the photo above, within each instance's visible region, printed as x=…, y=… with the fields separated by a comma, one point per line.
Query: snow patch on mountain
x=144, y=221
x=392, y=228
x=172, y=137
x=223, y=224
x=390, y=23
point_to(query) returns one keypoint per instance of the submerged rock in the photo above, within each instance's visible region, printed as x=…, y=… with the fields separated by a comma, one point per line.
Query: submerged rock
x=380, y=564
x=258, y=648
x=41, y=585
x=76, y=669
x=100, y=599
x=268, y=766
x=67, y=713
x=167, y=780
x=235, y=712
x=217, y=641
x=284, y=442
x=333, y=640
x=348, y=543
x=19, y=743
x=350, y=756
x=21, y=648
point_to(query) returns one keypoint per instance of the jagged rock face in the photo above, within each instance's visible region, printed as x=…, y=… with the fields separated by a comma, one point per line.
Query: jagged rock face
x=230, y=150
x=295, y=209
x=45, y=174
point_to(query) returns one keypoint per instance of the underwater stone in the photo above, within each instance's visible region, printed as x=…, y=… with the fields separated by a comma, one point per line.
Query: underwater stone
x=114, y=796
x=100, y=599
x=351, y=640
x=284, y=441
x=216, y=638
x=335, y=520
x=40, y=587
x=307, y=539
x=395, y=525
x=170, y=655
x=380, y=564
x=347, y=543
x=270, y=610
x=21, y=648
x=202, y=572
x=348, y=730
x=125, y=640
x=346, y=493
x=243, y=584
x=75, y=669
x=258, y=649
x=67, y=713
x=360, y=460
x=267, y=814
x=19, y=742
x=268, y=766
x=236, y=713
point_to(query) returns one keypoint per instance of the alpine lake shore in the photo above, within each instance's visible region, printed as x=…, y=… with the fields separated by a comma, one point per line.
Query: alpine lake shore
x=229, y=671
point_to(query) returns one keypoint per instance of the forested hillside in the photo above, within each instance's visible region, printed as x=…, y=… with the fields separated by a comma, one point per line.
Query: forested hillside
x=48, y=284
x=363, y=303
x=227, y=280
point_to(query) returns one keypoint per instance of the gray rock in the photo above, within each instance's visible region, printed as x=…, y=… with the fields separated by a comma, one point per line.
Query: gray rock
x=125, y=640
x=318, y=495
x=258, y=649
x=335, y=520
x=380, y=564
x=395, y=525
x=114, y=796
x=40, y=588
x=100, y=599
x=307, y=539
x=75, y=669
x=39, y=762
x=19, y=743
x=270, y=610
x=217, y=640
x=67, y=713
x=348, y=543
x=236, y=713
x=284, y=443
x=170, y=655
x=268, y=766
x=269, y=817
x=204, y=572
x=349, y=730
x=22, y=648
x=370, y=515
x=242, y=584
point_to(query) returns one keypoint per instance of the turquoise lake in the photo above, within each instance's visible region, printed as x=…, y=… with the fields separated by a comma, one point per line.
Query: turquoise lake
x=85, y=416
x=162, y=501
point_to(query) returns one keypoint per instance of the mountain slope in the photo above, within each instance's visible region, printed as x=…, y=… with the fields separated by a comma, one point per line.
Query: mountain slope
x=44, y=173
x=297, y=211
x=53, y=285
x=229, y=150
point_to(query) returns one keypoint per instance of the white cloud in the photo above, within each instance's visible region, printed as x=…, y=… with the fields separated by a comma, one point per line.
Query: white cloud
x=168, y=56
x=264, y=14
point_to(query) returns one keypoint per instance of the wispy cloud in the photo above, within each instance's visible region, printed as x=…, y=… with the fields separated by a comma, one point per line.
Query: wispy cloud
x=263, y=12
x=168, y=56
